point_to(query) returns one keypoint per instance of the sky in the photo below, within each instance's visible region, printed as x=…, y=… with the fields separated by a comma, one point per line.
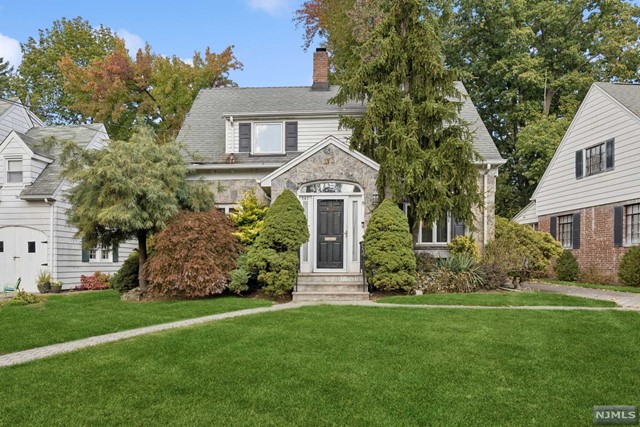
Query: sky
x=265, y=37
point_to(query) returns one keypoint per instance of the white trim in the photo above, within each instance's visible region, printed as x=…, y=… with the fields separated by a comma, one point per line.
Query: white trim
x=266, y=181
x=254, y=139
x=287, y=114
x=521, y=215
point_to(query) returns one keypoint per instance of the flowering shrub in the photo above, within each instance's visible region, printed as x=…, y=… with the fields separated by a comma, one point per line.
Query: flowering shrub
x=96, y=281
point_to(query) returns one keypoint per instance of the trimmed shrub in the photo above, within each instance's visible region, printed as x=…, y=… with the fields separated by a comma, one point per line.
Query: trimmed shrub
x=240, y=276
x=127, y=277
x=567, y=268
x=629, y=268
x=519, y=251
x=388, y=244
x=457, y=274
x=193, y=256
x=249, y=220
x=97, y=281
x=465, y=245
x=274, y=255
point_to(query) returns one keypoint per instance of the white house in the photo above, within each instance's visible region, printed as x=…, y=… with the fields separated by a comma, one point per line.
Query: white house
x=268, y=139
x=589, y=196
x=34, y=233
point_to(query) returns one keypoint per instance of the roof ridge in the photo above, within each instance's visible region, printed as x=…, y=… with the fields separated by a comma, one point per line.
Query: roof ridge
x=260, y=87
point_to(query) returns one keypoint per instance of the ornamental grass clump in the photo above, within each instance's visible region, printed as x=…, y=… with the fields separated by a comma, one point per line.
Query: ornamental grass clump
x=456, y=274
x=388, y=245
x=274, y=255
x=193, y=256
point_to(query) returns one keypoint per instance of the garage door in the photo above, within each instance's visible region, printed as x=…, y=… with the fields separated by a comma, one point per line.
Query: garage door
x=23, y=253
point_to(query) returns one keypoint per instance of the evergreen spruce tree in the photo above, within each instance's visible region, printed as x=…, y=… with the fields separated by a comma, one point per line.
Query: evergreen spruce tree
x=411, y=125
x=5, y=77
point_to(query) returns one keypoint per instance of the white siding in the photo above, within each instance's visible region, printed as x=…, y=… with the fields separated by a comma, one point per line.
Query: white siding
x=68, y=265
x=600, y=118
x=310, y=131
x=527, y=215
x=15, y=118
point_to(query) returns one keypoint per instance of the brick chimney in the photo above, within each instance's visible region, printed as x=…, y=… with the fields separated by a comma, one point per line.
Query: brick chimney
x=320, y=69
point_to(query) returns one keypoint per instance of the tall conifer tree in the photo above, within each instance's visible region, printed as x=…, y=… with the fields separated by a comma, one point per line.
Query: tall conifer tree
x=411, y=125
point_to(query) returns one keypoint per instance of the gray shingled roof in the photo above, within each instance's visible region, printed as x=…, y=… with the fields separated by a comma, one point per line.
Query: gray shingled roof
x=5, y=104
x=49, y=180
x=625, y=93
x=203, y=131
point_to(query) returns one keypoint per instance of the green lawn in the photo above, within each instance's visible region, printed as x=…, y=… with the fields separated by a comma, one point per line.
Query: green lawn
x=498, y=299
x=69, y=317
x=332, y=365
x=594, y=286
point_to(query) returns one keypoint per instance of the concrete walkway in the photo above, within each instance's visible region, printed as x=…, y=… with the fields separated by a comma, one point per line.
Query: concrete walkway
x=626, y=300
x=56, y=349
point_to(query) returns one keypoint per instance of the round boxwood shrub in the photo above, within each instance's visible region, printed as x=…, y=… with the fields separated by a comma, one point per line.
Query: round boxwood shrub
x=127, y=277
x=274, y=255
x=193, y=256
x=629, y=268
x=388, y=245
x=567, y=268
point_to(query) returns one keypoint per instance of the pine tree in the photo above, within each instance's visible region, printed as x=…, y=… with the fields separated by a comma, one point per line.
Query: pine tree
x=411, y=125
x=5, y=77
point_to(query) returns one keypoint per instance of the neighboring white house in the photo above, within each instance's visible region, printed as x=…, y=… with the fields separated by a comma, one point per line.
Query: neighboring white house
x=34, y=233
x=589, y=196
x=268, y=139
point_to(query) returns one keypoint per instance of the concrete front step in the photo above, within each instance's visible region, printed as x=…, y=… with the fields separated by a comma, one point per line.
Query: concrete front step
x=330, y=296
x=330, y=287
x=311, y=278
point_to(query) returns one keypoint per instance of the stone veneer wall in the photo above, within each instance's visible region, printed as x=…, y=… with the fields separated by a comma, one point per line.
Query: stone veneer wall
x=330, y=164
x=232, y=191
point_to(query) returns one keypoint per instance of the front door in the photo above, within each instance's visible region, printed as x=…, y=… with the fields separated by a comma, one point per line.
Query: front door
x=330, y=234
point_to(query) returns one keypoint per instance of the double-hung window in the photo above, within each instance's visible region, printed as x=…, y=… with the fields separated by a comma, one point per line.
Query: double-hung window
x=632, y=224
x=595, y=159
x=14, y=171
x=565, y=230
x=101, y=254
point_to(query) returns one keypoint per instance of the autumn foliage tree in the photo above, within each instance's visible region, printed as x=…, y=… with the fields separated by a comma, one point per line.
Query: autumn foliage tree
x=193, y=256
x=153, y=89
x=128, y=189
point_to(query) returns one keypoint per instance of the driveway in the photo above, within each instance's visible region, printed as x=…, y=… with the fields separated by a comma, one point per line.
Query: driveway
x=623, y=299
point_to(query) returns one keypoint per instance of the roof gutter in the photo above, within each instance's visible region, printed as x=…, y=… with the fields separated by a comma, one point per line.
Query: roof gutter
x=234, y=166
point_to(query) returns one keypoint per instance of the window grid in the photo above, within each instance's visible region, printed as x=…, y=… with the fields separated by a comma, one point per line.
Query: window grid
x=14, y=171
x=632, y=222
x=565, y=230
x=595, y=159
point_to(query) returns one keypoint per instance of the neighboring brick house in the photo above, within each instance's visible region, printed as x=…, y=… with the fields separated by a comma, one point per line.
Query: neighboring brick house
x=273, y=138
x=589, y=196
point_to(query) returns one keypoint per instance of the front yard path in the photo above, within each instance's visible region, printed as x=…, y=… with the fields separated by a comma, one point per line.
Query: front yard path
x=624, y=299
x=21, y=357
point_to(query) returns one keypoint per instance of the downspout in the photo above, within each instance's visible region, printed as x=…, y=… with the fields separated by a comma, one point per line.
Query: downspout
x=51, y=242
x=485, y=222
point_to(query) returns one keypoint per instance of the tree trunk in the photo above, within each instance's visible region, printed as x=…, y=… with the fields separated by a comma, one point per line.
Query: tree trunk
x=549, y=94
x=142, y=259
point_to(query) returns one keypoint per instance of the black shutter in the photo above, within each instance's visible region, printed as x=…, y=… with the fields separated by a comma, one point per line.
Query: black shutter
x=617, y=225
x=244, y=136
x=115, y=253
x=579, y=165
x=610, y=153
x=576, y=231
x=291, y=136
x=85, y=253
x=553, y=226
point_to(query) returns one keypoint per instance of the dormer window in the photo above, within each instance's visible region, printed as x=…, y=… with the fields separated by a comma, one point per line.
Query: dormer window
x=262, y=138
x=14, y=172
x=268, y=138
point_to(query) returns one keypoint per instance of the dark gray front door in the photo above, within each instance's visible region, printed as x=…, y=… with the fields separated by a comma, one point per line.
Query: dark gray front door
x=330, y=237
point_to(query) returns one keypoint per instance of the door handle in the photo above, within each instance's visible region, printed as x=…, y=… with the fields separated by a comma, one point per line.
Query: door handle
x=15, y=257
